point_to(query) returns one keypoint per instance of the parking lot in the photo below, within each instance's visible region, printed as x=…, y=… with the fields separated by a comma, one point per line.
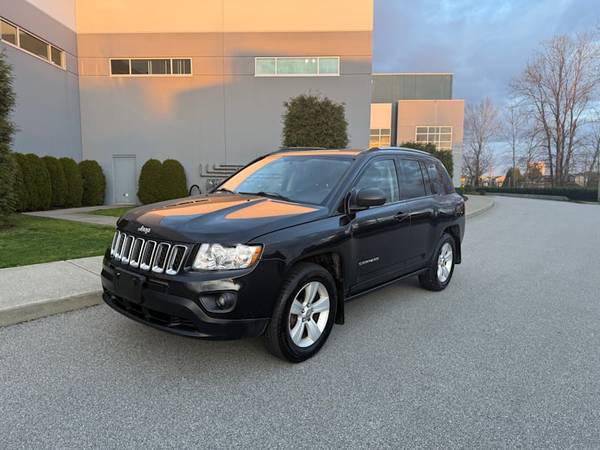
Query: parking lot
x=508, y=355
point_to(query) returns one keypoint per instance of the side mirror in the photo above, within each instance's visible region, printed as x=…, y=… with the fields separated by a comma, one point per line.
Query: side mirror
x=365, y=198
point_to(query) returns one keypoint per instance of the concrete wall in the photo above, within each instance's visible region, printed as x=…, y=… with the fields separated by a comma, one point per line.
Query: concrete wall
x=222, y=113
x=47, y=105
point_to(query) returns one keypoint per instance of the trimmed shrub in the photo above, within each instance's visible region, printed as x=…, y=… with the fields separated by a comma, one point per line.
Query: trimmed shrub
x=74, y=184
x=572, y=193
x=36, y=189
x=311, y=121
x=57, y=180
x=21, y=196
x=94, y=183
x=445, y=156
x=149, y=190
x=173, y=183
x=7, y=129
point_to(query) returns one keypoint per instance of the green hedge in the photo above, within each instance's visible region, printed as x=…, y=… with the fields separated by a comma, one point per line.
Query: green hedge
x=173, y=183
x=36, y=191
x=74, y=183
x=572, y=193
x=94, y=183
x=148, y=185
x=20, y=189
x=57, y=180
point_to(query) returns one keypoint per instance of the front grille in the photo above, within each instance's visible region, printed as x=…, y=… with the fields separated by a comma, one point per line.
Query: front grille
x=145, y=254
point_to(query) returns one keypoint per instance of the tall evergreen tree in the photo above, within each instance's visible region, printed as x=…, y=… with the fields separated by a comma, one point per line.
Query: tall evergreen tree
x=7, y=129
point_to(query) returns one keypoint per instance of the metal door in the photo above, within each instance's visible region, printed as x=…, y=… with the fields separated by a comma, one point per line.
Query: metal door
x=124, y=179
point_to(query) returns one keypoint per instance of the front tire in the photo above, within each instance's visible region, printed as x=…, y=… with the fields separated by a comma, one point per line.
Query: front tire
x=304, y=314
x=438, y=275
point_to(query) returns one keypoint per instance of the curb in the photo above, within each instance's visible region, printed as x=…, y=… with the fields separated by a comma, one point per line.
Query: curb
x=482, y=210
x=50, y=307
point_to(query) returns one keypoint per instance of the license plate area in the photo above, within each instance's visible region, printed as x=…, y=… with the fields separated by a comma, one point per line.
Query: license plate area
x=129, y=285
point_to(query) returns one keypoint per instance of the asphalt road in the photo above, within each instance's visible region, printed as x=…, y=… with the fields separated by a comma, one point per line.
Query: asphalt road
x=507, y=356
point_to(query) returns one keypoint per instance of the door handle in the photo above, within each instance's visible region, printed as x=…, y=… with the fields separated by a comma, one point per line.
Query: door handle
x=399, y=217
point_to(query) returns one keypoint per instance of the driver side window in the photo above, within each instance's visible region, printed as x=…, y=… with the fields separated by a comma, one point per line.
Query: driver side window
x=381, y=174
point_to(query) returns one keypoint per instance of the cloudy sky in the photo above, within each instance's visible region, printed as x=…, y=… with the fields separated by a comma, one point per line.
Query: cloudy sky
x=483, y=42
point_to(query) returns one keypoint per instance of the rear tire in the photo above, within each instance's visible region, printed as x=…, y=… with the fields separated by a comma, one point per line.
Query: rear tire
x=441, y=267
x=304, y=314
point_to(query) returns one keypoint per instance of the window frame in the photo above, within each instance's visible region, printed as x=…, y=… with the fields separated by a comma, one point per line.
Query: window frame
x=149, y=75
x=17, y=45
x=379, y=135
x=284, y=75
x=439, y=133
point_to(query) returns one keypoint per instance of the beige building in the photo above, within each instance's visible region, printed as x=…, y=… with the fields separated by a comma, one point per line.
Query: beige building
x=410, y=107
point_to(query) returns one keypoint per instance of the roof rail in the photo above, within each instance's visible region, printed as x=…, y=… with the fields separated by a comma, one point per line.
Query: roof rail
x=407, y=149
x=299, y=149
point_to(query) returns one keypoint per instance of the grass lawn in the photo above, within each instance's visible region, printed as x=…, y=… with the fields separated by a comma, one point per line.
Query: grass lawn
x=35, y=240
x=116, y=212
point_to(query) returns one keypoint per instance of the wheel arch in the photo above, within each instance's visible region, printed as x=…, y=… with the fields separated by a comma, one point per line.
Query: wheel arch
x=454, y=231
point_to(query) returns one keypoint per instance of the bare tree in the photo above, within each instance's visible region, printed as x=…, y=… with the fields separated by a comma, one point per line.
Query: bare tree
x=481, y=125
x=558, y=85
x=515, y=129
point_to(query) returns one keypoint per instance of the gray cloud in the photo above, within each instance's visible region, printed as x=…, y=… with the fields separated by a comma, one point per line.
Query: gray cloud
x=485, y=43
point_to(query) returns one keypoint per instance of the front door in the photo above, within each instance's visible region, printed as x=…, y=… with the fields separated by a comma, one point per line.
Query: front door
x=379, y=234
x=124, y=179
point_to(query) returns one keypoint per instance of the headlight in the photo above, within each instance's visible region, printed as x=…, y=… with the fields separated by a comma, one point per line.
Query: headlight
x=217, y=257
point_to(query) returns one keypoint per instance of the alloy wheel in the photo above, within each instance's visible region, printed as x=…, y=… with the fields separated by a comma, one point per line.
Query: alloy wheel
x=445, y=260
x=309, y=314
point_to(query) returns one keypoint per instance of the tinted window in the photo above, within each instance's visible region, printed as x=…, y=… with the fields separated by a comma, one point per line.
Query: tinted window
x=381, y=175
x=33, y=44
x=304, y=179
x=436, y=178
x=119, y=67
x=411, y=181
x=445, y=177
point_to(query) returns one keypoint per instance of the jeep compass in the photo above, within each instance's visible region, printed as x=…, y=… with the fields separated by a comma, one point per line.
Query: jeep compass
x=277, y=248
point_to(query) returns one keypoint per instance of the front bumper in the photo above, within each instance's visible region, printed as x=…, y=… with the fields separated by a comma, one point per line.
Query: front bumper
x=170, y=304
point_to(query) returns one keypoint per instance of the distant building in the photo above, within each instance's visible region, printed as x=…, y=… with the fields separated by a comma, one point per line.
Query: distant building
x=417, y=107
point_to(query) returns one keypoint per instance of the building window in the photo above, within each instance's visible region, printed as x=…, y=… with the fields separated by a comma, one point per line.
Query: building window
x=297, y=66
x=441, y=137
x=379, y=137
x=14, y=35
x=135, y=67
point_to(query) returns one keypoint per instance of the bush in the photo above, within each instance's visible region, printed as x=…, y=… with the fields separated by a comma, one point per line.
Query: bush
x=311, y=121
x=445, y=156
x=572, y=193
x=35, y=189
x=57, y=180
x=21, y=196
x=149, y=190
x=94, y=183
x=74, y=184
x=7, y=129
x=508, y=178
x=173, y=183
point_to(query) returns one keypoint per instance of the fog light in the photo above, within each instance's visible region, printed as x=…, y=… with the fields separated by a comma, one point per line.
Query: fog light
x=219, y=302
x=226, y=300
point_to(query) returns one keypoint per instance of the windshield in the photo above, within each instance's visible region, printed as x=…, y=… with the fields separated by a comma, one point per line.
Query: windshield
x=302, y=179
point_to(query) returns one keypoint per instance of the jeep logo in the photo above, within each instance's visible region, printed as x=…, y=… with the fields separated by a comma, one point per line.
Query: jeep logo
x=144, y=229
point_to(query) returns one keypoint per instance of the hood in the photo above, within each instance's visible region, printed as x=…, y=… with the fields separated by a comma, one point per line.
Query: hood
x=224, y=218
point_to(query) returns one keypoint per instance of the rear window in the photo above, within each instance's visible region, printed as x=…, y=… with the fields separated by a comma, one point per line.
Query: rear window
x=445, y=178
x=412, y=184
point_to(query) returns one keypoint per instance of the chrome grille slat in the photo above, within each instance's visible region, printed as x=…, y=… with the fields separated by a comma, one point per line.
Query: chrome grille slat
x=137, y=252
x=176, y=258
x=148, y=255
x=160, y=259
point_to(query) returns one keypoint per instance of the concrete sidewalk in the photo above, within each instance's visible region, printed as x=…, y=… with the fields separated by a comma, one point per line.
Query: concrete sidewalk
x=40, y=290
x=80, y=215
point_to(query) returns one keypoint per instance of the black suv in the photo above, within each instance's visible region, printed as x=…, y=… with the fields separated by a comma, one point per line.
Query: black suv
x=279, y=247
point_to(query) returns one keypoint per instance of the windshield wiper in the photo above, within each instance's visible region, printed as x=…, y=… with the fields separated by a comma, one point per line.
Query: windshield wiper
x=268, y=194
x=224, y=190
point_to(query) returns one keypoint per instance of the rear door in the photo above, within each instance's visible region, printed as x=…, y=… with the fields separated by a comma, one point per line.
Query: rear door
x=416, y=192
x=379, y=234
